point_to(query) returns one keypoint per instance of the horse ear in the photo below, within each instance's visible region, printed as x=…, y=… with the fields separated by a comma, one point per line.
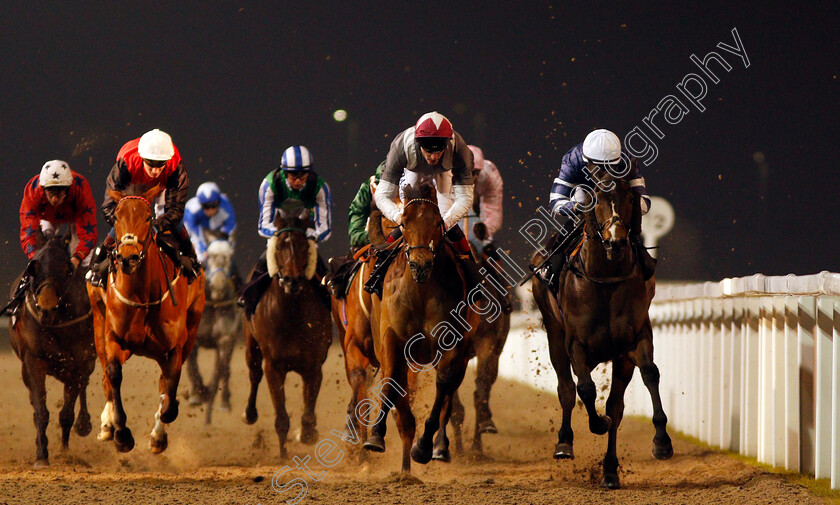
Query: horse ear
x=116, y=196
x=153, y=193
x=428, y=192
x=303, y=214
x=280, y=217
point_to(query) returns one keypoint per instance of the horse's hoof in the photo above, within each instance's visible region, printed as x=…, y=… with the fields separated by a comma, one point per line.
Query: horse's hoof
x=224, y=406
x=171, y=413
x=662, y=450
x=441, y=455
x=195, y=400
x=487, y=426
x=159, y=445
x=610, y=481
x=123, y=440
x=83, y=426
x=564, y=451
x=419, y=454
x=249, y=416
x=308, y=436
x=105, y=434
x=375, y=443
x=41, y=463
x=600, y=424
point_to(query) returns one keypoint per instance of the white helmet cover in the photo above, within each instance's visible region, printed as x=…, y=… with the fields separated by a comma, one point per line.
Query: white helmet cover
x=602, y=146
x=156, y=145
x=55, y=173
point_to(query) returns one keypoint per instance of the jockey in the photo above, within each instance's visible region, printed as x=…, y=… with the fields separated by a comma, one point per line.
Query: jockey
x=360, y=208
x=429, y=151
x=599, y=149
x=207, y=216
x=486, y=211
x=56, y=196
x=294, y=179
x=143, y=163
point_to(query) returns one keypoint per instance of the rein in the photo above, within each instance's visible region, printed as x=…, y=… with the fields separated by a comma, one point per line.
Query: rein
x=431, y=246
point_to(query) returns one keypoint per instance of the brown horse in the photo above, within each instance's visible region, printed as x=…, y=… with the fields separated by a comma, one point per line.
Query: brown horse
x=52, y=334
x=421, y=323
x=142, y=312
x=290, y=330
x=600, y=313
x=486, y=346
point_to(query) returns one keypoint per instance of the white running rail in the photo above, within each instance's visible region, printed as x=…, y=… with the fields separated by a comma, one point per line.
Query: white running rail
x=752, y=365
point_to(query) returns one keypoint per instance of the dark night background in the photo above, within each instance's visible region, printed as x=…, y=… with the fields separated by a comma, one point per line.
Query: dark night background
x=235, y=83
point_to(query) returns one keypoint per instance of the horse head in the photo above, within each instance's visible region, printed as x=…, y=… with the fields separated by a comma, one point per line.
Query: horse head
x=49, y=272
x=422, y=229
x=288, y=255
x=133, y=227
x=612, y=213
x=219, y=261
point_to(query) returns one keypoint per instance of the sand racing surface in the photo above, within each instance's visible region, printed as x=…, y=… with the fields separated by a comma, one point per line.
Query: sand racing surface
x=231, y=462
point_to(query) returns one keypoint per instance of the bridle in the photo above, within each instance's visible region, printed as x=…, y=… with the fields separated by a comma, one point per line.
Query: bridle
x=290, y=229
x=130, y=239
x=35, y=310
x=431, y=246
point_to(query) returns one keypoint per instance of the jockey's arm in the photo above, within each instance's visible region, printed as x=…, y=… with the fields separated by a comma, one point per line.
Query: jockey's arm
x=118, y=180
x=358, y=215
x=265, y=226
x=491, y=198
x=177, y=187
x=570, y=176
x=85, y=219
x=30, y=222
x=462, y=183
x=637, y=183
x=323, y=215
x=229, y=226
x=461, y=206
x=193, y=226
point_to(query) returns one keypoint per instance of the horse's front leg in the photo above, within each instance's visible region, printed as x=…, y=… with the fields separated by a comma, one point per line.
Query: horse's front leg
x=598, y=424
x=224, y=372
x=565, y=389
x=83, y=425
x=115, y=357
x=642, y=357
x=254, y=359
x=198, y=391
x=33, y=371
x=275, y=375
x=622, y=373
x=170, y=376
x=311, y=386
x=457, y=420
x=450, y=374
x=68, y=411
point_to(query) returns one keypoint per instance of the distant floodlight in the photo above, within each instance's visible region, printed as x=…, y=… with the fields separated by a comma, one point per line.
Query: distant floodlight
x=340, y=115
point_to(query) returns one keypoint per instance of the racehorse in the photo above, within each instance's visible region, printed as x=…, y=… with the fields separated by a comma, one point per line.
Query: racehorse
x=486, y=346
x=290, y=330
x=52, y=334
x=600, y=313
x=352, y=318
x=219, y=327
x=142, y=312
x=419, y=325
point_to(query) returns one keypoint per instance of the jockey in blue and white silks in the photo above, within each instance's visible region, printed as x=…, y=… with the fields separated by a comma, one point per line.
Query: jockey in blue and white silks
x=209, y=211
x=572, y=174
x=296, y=179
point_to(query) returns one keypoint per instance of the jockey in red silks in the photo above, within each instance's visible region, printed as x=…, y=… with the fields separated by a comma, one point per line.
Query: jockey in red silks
x=143, y=163
x=54, y=197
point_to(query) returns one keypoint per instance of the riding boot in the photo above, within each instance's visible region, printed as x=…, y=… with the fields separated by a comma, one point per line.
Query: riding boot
x=646, y=261
x=100, y=263
x=384, y=258
x=257, y=284
x=187, y=257
x=340, y=268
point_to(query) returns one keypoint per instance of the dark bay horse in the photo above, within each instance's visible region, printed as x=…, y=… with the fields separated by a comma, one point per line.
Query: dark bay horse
x=52, y=334
x=421, y=323
x=220, y=325
x=290, y=330
x=600, y=314
x=148, y=309
x=486, y=346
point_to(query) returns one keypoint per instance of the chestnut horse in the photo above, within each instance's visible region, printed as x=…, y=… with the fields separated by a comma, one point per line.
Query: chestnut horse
x=290, y=330
x=421, y=323
x=148, y=309
x=52, y=334
x=600, y=314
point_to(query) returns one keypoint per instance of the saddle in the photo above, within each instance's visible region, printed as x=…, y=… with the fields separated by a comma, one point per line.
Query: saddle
x=343, y=270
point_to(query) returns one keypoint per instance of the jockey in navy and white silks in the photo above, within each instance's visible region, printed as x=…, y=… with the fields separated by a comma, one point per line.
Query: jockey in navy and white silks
x=600, y=150
x=572, y=174
x=280, y=185
x=209, y=212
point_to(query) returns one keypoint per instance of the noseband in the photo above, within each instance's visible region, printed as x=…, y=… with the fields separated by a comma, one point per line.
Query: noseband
x=130, y=239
